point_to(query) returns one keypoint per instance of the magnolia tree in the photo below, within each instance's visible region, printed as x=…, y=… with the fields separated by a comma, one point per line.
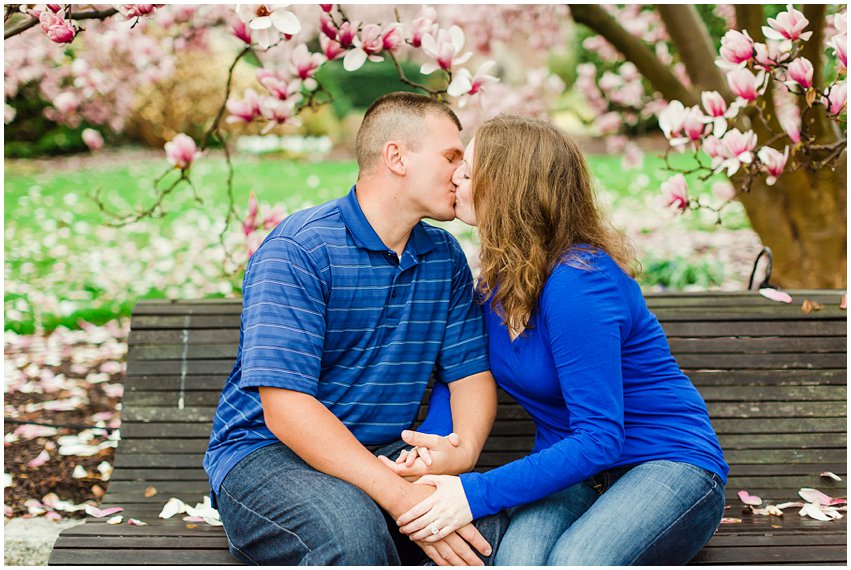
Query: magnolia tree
x=768, y=111
x=767, y=115
x=88, y=60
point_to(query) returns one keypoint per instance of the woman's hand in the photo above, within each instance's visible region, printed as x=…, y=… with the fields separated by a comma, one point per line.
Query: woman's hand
x=438, y=515
x=431, y=455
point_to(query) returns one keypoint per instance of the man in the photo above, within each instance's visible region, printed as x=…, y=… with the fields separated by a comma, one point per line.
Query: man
x=348, y=308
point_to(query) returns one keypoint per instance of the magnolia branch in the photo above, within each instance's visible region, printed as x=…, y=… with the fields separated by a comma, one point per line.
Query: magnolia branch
x=15, y=29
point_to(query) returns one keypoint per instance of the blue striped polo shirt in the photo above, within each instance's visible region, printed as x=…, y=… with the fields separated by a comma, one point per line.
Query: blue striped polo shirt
x=331, y=311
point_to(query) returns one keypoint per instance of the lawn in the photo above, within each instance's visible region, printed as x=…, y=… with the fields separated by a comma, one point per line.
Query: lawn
x=63, y=264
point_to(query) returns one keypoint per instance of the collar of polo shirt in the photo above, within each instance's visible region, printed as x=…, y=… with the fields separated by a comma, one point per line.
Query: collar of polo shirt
x=364, y=235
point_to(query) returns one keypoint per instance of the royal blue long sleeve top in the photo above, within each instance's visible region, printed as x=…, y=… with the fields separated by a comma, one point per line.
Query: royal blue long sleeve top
x=595, y=373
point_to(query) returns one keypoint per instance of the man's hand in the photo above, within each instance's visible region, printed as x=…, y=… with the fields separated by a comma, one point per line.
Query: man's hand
x=454, y=550
x=432, y=455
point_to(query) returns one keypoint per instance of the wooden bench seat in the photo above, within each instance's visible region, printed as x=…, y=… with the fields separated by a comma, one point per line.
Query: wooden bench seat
x=774, y=380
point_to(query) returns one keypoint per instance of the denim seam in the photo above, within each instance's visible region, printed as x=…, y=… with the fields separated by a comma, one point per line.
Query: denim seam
x=661, y=534
x=249, y=509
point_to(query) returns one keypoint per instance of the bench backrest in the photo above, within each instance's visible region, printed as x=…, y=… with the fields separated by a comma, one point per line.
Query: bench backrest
x=774, y=380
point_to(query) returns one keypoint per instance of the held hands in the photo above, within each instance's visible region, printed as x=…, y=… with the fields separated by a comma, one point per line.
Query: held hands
x=454, y=548
x=432, y=455
x=438, y=515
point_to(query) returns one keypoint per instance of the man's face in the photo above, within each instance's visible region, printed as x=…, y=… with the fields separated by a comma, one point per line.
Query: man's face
x=431, y=168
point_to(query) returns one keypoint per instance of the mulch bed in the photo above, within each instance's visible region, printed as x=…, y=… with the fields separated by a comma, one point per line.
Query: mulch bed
x=31, y=483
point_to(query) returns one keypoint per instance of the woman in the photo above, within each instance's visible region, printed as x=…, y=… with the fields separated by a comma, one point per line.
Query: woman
x=626, y=468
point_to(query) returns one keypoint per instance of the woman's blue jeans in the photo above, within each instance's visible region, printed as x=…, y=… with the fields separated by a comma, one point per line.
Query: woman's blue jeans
x=655, y=513
x=276, y=509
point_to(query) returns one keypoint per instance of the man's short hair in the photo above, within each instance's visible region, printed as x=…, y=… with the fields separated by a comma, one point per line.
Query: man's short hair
x=395, y=116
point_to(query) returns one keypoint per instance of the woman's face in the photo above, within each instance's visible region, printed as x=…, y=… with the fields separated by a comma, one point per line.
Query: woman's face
x=464, y=194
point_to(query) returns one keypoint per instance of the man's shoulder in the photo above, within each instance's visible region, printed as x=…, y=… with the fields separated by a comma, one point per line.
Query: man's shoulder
x=445, y=243
x=317, y=222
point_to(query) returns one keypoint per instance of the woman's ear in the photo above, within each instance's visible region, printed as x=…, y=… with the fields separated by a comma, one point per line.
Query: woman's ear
x=393, y=158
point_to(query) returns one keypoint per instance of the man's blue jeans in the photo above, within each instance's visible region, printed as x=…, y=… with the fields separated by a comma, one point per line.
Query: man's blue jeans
x=655, y=513
x=276, y=509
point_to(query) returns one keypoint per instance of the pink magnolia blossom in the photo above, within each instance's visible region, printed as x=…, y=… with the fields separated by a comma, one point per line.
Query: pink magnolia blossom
x=392, y=37
x=790, y=121
x=446, y=48
x=273, y=217
x=278, y=84
x=268, y=21
x=671, y=119
x=466, y=85
x=773, y=162
x=769, y=55
x=331, y=48
x=712, y=147
x=304, y=63
x=367, y=45
x=423, y=24
x=327, y=27
x=609, y=123
x=801, y=72
x=241, y=32
x=181, y=151
x=839, y=44
x=694, y=126
x=130, y=11
x=737, y=149
x=244, y=110
x=736, y=47
x=249, y=224
x=744, y=83
x=347, y=33
x=326, y=7
x=675, y=192
x=93, y=139
x=788, y=25
x=714, y=103
x=57, y=28
x=836, y=98
x=723, y=190
x=277, y=112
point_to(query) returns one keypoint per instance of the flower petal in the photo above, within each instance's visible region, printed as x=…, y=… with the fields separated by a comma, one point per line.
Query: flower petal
x=749, y=499
x=775, y=295
x=354, y=60
x=286, y=21
x=814, y=496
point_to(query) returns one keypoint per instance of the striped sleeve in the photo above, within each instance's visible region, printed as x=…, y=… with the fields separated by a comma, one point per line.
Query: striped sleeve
x=464, y=349
x=283, y=318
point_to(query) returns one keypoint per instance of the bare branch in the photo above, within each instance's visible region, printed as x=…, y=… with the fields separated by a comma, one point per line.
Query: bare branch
x=636, y=51
x=694, y=46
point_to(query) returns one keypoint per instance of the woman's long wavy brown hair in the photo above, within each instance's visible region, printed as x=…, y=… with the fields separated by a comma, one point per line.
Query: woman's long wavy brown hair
x=535, y=207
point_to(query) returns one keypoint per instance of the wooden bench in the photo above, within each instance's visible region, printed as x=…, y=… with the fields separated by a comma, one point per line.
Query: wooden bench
x=774, y=380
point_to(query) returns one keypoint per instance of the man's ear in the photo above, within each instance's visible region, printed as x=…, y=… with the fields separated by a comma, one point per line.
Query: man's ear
x=392, y=155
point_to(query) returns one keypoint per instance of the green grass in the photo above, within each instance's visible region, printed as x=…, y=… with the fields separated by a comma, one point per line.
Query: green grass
x=52, y=229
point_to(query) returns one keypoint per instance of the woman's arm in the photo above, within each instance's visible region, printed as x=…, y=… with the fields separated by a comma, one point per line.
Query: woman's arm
x=585, y=316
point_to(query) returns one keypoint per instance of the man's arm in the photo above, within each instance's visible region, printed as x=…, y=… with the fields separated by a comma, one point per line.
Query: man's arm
x=316, y=435
x=473, y=403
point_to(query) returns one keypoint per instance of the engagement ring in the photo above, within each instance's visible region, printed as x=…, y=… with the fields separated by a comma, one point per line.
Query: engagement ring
x=433, y=528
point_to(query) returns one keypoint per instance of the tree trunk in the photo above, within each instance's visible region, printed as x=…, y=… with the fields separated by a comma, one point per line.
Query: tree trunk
x=802, y=218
